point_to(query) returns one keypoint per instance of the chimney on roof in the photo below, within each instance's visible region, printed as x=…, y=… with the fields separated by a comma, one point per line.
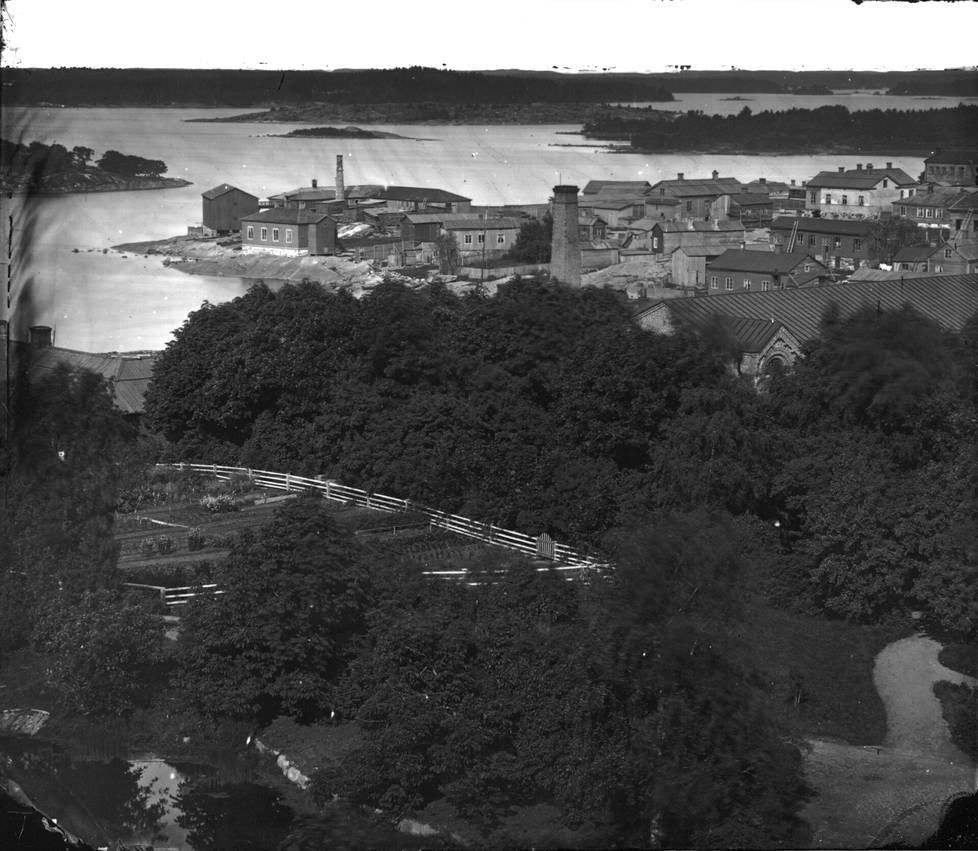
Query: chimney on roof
x=792, y=181
x=869, y=166
x=315, y=183
x=679, y=176
x=842, y=169
x=340, y=185
x=40, y=336
x=889, y=165
x=763, y=180
x=716, y=174
x=859, y=166
x=565, y=255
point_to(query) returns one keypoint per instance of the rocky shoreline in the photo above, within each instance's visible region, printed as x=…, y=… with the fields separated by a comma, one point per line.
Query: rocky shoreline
x=87, y=181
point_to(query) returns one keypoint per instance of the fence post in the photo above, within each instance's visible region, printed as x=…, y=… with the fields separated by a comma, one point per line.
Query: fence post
x=368, y=500
x=288, y=481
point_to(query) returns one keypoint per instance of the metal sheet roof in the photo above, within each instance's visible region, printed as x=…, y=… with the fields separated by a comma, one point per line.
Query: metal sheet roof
x=809, y=224
x=419, y=193
x=965, y=156
x=763, y=262
x=128, y=374
x=949, y=300
x=285, y=216
x=223, y=189
x=863, y=178
x=697, y=188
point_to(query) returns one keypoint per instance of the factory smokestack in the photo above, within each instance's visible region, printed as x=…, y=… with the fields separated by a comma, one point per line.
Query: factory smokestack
x=340, y=187
x=565, y=255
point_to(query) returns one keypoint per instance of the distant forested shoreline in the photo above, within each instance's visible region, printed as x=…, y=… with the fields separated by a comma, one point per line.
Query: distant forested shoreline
x=794, y=130
x=170, y=87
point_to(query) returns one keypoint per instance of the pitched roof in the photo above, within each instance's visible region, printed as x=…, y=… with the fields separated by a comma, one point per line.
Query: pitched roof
x=938, y=196
x=810, y=224
x=949, y=300
x=764, y=262
x=967, y=201
x=307, y=193
x=662, y=201
x=714, y=226
x=747, y=199
x=861, y=178
x=609, y=203
x=128, y=374
x=697, y=188
x=750, y=335
x=502, y=223
x=622, y=187
x=913, y=253
x=964, y=156
x=767, y=186
x=419, y=193
x=285, y=216
x=700, y=250
x=223, y=189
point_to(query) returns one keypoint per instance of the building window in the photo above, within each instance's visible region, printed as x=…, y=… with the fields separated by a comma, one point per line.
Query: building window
x=857, y=245
x=264, y=234
x=862, y=201
x=807, y=267
x=728, y=283
x=838, y=242
x=274, y=234
x=746, y=284
x=467, y=239
x=903, y=211
x=812, y=241
x=813, y=197
x=251, y=231
x=288, y=234
x=655, y=243
x=689, y=206
x=845, y=200
x=923, y=267
x=905, y=266
x=928, y=212
x=938, y=268
x=714, y=282
x=828, y=197
x=947, y=254
x=765, y=286
x=500, y=239
x=825, y=246
x=886, y=183
x=481, y=238
x=780, y=285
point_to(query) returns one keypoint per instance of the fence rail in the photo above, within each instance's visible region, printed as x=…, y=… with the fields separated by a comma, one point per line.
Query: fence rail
x=565, y=558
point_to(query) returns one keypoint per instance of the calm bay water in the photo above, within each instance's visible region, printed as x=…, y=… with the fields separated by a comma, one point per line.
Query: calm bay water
x=101, y=302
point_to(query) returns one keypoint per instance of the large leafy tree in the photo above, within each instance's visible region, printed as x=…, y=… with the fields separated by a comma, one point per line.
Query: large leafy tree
x=282, y=631
x=104, y=650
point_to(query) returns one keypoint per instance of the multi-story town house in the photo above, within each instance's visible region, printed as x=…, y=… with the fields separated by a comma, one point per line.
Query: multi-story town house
x=738, y=270
x=944, y=211
x=858, y=192
x=952, y=168
x=838, y=243
x=693, y=197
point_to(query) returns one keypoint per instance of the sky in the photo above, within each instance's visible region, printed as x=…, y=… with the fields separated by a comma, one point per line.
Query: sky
x=567, y=35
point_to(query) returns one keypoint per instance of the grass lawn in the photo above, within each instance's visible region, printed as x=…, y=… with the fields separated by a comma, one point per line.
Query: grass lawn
x=962, y=658
x=817, y=672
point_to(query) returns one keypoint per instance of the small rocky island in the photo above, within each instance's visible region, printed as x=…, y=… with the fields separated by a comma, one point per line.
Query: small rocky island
x=39, y=169
x=342, y=133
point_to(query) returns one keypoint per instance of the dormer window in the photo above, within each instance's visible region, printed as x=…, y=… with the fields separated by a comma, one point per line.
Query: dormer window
x=886, y=183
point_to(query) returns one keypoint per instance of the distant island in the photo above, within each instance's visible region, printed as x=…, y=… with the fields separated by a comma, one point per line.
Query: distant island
x=433, y=112
x=40, y=169
x=342, y=133
x=826, y=129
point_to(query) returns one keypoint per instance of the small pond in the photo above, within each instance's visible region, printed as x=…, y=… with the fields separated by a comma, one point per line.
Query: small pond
x=108, y=798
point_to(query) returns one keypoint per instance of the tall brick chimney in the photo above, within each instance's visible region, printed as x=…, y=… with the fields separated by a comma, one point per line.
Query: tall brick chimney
x=340, y=187
x=315, y=183
x=716, y=174
x=565, y=255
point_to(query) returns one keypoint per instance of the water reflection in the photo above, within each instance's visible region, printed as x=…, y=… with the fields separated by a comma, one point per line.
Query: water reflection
x=109, y=800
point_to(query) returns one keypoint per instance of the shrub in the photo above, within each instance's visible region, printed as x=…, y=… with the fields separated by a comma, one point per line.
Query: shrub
x=147, y=547
x=195, y=539
x=164, y=544
x=218, y=504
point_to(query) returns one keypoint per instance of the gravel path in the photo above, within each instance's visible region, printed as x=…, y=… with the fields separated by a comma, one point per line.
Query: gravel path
x=904, y=675
x=871, y=796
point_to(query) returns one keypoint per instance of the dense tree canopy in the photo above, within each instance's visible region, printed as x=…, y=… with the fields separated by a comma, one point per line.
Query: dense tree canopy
x=294, y=596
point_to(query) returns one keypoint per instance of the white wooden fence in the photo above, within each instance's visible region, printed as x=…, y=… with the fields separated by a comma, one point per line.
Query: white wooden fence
x=564, y=558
